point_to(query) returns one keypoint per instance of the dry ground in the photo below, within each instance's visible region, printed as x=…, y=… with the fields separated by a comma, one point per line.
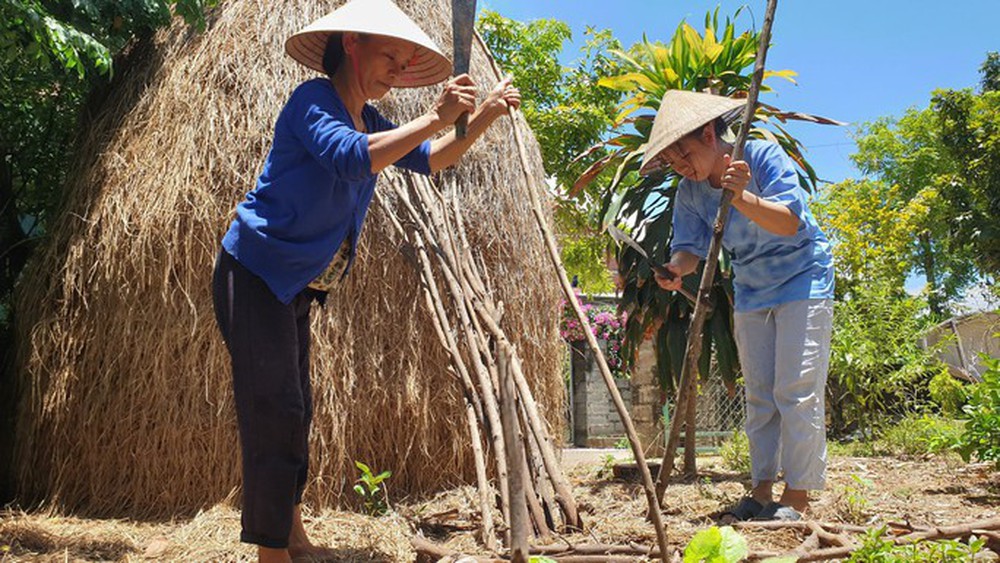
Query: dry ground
x=931, y=491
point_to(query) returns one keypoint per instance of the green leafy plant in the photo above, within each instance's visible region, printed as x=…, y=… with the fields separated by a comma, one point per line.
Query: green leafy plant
x=735, y=452
x=916, y=435
x=853, y=503
x=607, y=467
x=879, y=548
x=708, y=490
x=374, y=498
x=877, y=367
x=948, y=393
x=716, y=545
x=981, y=438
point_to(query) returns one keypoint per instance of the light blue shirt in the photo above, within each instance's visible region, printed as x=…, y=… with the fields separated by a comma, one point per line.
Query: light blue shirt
x=768, y=269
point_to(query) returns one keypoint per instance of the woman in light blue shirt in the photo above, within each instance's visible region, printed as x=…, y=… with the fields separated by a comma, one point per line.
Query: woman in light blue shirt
x=295, y=235
x=783, y=282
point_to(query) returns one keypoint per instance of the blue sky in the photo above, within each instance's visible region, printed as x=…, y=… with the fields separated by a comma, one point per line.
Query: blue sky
x=856, y=60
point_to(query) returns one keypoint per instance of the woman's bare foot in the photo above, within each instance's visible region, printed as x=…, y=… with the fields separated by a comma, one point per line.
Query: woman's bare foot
x=299, y=546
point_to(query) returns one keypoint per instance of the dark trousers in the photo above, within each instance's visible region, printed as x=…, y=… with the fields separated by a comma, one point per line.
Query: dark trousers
x=268, y=342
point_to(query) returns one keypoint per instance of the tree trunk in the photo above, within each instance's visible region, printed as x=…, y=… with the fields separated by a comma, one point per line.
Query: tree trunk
x=935, y=300
x=691, y=431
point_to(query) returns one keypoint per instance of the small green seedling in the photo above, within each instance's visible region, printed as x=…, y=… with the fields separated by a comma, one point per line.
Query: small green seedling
x=369, y=487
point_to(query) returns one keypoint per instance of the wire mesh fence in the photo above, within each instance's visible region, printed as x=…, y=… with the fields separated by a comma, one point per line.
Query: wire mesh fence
x=720, y=413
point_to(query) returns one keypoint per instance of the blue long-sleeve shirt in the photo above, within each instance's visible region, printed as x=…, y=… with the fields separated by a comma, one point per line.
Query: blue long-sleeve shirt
x=314, y=190
x=768, y=269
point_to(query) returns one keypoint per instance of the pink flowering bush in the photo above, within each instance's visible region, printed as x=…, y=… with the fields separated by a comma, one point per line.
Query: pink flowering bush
x=606, y=324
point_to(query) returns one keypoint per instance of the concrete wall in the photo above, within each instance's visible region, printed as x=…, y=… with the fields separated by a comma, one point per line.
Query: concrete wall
x=595, y=420
x=596, y=423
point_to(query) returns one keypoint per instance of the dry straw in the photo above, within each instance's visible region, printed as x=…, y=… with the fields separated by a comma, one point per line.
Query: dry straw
x=125, y=399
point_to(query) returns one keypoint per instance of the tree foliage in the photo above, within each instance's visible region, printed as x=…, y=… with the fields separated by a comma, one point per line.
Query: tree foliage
x=909, y=155
x=568, y=112
x=872, y=226
x=54, y=55
x=970, y=132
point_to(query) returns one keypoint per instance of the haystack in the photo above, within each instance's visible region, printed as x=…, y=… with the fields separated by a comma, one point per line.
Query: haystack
x=125, y=403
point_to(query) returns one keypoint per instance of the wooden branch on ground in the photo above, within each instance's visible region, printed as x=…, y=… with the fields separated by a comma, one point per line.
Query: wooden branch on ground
x=819, y=533
x=801, y=525
x=429, y=551
x=958, y=531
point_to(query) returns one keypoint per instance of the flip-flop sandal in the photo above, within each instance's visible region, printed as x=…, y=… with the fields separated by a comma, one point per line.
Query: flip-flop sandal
x=746, y=509
x=779, y=512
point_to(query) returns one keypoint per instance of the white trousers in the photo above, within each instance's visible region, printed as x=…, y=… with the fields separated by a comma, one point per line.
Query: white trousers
x=785, y=355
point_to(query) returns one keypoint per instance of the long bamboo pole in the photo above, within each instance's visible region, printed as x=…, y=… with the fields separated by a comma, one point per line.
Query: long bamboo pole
x=473, y=410
x=519, y=526
x=472, y=303
x=487, y=391
x=687, y=383
x=550, y=244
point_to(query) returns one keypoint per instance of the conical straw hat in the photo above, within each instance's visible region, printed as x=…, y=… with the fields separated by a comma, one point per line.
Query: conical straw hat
x=376, y=17
x=682, y=112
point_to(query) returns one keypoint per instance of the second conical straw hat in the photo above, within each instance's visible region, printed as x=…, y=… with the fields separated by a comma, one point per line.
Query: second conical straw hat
x=680, y=113
x=375, y=17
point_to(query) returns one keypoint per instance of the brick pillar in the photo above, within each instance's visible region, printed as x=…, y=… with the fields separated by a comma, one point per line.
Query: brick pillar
x=647, y=400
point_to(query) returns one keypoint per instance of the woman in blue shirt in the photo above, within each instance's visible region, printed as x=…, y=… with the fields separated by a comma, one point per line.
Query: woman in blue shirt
x=295, y=234
x=783, y=282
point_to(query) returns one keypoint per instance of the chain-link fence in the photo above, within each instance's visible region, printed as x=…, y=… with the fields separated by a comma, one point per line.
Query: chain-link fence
x=720, y=413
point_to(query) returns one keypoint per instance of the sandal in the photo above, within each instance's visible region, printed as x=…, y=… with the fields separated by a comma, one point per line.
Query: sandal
x=746, y=509
x=779, y=512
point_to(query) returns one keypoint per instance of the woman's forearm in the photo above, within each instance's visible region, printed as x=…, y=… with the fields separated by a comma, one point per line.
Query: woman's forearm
x=772, y=217
x=448, y=149
x=387, y=147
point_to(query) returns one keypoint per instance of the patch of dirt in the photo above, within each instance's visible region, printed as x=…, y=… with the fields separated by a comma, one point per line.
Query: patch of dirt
x=932, y=491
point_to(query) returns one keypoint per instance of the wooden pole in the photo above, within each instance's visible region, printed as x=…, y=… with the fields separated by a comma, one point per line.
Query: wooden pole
x=429, y=215
x=553, y=250
x=487, y=390
x=691, y=431
x=474, y=416
x=543, y=482
x=519, y=526
x=693, y=354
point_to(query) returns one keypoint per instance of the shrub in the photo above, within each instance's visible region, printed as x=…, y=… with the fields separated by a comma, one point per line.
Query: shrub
x=948, y=393
x=982, y=431
x=735, y=452
x=916, y=435
x=877, y=367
